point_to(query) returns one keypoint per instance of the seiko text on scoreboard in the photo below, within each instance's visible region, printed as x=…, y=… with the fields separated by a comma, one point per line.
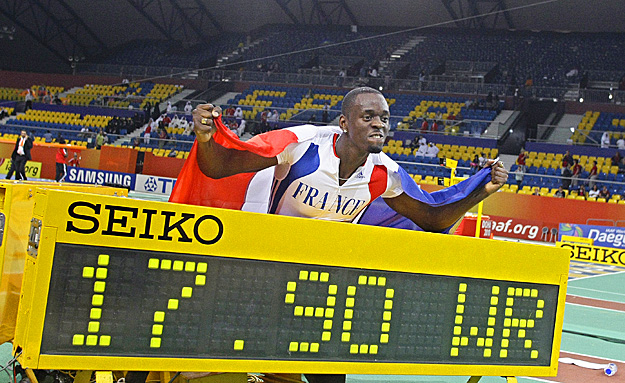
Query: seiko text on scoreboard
x=120, y=284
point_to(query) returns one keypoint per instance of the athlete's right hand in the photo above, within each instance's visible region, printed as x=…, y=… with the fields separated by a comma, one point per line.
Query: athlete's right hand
x=203, y=124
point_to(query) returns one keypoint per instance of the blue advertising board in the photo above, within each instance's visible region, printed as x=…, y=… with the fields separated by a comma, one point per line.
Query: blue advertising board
x=137, y=182
x=604, y=236
x=100, y=177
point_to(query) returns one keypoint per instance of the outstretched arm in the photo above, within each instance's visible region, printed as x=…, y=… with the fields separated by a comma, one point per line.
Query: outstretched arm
x=216, y=161
x=439, y=218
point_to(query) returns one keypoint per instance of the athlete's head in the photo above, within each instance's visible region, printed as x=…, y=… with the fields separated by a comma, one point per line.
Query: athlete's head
x=365, y=119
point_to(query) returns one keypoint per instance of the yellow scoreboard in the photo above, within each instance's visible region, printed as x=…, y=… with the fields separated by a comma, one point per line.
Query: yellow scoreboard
x=120, y=284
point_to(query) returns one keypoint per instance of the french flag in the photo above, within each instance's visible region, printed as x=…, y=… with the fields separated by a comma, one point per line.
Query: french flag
x=251, y=191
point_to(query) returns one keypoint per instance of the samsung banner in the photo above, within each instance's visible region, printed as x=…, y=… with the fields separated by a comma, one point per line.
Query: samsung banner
x=604, y=236
x=136, y=182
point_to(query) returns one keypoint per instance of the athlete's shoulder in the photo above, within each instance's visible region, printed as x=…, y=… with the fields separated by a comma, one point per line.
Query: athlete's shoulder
x=310, y=132
x=381, y=159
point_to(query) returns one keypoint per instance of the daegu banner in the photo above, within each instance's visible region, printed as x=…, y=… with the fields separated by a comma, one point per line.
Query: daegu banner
x=100, y=177
x=604, y=236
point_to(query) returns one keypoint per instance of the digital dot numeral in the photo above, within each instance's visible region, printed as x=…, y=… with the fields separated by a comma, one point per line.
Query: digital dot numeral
x=326, y=312
x=186, y=292
x=93, y=337
x=386, y=309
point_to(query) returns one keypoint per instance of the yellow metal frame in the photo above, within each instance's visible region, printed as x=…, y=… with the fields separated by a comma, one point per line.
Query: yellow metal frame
x=282, y=239
x=16, y=203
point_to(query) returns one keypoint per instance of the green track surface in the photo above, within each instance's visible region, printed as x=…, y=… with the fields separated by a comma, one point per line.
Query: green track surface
x=607, y=287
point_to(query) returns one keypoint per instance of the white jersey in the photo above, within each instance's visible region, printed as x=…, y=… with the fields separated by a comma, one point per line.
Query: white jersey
x=306, y=179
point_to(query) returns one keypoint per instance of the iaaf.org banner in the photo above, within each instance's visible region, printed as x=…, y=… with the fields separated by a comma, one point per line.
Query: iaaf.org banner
x=137, y=182
x=524, y=229
x=604, y=236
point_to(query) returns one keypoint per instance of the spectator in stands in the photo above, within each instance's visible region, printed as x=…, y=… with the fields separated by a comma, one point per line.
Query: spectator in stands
x=594, y=192
x=432, y=150
x=312, y=119
x=229, y=113
x=422, y=151
x=425, y=126
x=434, y=126
x=56, y=100
x=28, y=98
x=518, y=176
x=47, y=136
x=482, y=161
x=536, y=191
x=184, y=124
x=60, y=158
x=147, y=110
x=422, y=140
x=342, y=75
x=148, y=131
x=620, y=143
x=99, y=139
x=241, y=128
x=621, y=167
x=84, y=132
x=615, y=160
x=566, y=176
x=188, y=108
x=583, y=82
x=238, y=113
x=567, y=159
x=593, y=174
x=75, y=160
x=521, y=158
x=166, y=120
x=475, y=165
x=605, y=193
x=264, y=124
x=136, y=142
x=273, y=119
x=576, y=173
x=605, y=140
x=582, y=192
x=325, y=115
x=169, y=107
x=560, y=193
x=162, y=137
x=175, y=122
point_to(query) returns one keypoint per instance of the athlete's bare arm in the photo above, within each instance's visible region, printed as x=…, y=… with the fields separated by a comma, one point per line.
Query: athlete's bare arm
x=438, y=218
x=214, y=160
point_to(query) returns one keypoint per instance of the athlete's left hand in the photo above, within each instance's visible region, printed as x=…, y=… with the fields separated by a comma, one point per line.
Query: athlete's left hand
x=498, y=174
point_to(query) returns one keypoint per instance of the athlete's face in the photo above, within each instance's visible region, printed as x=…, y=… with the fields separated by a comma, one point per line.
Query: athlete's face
x=367, y=123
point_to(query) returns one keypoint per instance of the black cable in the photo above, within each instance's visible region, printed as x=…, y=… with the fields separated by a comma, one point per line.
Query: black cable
x=600, y=337
x=177, y=374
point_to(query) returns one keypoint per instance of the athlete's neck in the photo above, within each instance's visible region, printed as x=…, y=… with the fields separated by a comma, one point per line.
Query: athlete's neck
x=351, y=158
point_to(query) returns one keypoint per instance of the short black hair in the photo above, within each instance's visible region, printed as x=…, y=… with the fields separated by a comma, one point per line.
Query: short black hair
x=350, y=97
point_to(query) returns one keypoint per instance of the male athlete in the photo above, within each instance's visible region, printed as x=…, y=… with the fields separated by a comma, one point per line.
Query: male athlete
x=334, y=173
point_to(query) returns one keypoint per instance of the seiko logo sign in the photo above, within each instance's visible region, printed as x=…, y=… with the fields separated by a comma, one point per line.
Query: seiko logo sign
x=125, y=221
